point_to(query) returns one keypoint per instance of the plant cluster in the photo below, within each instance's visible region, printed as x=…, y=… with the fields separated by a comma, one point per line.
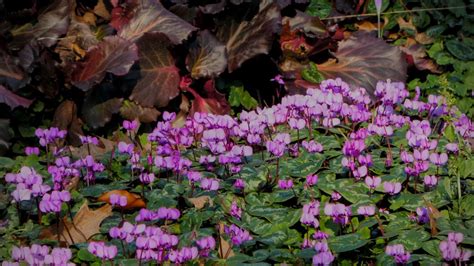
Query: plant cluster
x=327, y=177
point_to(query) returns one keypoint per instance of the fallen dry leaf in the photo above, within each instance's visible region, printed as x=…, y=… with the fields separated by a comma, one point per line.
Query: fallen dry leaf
x=225, y=250
x=101, y=10
x=201, y=201
x=86, y=223
x=133, y=200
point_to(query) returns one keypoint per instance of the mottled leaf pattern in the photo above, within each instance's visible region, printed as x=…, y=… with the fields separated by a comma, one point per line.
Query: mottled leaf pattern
x=160, y=77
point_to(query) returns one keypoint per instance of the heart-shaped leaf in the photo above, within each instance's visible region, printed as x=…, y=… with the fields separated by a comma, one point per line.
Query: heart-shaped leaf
x=152, y=17
x=206, y=57
x=246, y=39
x=13, y=100
x=98, y=115
x=160, y=77
x=363, y=60
x=114, y=55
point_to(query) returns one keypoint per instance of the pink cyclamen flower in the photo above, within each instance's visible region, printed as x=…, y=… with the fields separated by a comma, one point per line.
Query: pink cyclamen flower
x=311, y=180
x=373, y=182
x=339, y=212
x=430, y=180
x=32, y=150
x=100, y=250
x=335, y=196
x=285, y=184
x=118, y=200
x=209, y=184
x=130, y=125
x=239, y=184
x=439, y=159
x=366, y=210
x=398, y=252
x=392, y=188
x=452, y=147
x=235, y=211
x=279, y=79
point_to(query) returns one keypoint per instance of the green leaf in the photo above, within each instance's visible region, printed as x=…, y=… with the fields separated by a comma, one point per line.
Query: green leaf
x=467, y=206
x=85, y=255
x=6, y=163
x=412, y=239
x=312, y=74
x=345, y=243
x=432, y=247
x=449, y=133
x=319, y=8
x=238, y=96
x=463, y=50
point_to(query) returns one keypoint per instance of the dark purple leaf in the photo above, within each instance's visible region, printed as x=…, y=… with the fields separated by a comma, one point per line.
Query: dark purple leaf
x=213, y=8
x=13, y=100
x=122, y=14
x=214, y=102
x=206, y=57
x=98, y=115
x=9, y=66
x=247, y=39
x=152, y=17
x=52, y=23
x=160, y=77
x=185, y=12
x=312, y=26
x=363, y=59
x=114, y=55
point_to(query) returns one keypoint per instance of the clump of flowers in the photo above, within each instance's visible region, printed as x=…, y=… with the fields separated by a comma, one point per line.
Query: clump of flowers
x=40, y=255
x=451, y=251
x=398, y=252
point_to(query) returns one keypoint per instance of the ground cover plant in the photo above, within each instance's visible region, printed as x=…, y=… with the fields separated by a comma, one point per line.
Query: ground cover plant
x=330, y=176
x=230, y=132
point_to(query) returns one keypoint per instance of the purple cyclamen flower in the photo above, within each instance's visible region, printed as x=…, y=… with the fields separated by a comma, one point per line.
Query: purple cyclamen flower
x=339, y=212
x=452, y=147
x=206, y=244
x=312, y=146
x=147, y=178
x=194, y=176
x=53, y=202
x=335, y=196
x=118, y=200
x=168, y=213
x=430, y=180
x=183, y=255
x=392, y=188
x=237, y=235
x=373, y=182
x=209, y=184
x=239, y=184
x=310, y=211
x=100, y=250
x=398, y=252
x=366, y=210
x=32, y=150
x=130, y=125
x=285, y=184
x=89, y=140
x=125, y=148
x=439, y=159
x=279, y=79
x=423, y=216
x=311, y=180
x=323, y=258
x=235, y=211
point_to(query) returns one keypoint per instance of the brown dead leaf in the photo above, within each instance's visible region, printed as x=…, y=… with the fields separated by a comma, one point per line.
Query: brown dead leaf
x=65, y=117
x=423, y=38
x=99, y=152
x=434, y=215
x=416, y=55
x=183, y=113
x=101, y=11
x=225, y=250
x=89, y=18
x=86, y=223
x=201, y=201
x=131, y=111
x=134, y=201
x=366, y=26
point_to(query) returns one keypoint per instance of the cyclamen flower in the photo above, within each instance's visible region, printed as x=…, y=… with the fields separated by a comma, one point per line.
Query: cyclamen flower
x=130, y=125
x=439, y=159
x=373, y=182
x=147, y=178
x=323, y=258
x=89, y=140
x=53, y=202
x=125, y=148
x=235, y=211
x=206, y=244
x=279, y=79
x=210, y=184
x=237, y=235
x=452, y=147
x=32, y=151
x=430, y=180
x=168, y=213
x=48, y=136
x=285, y=184
x=311, y=180
x=366, y=210
x=335, y=196
x=118, y=200
x=392, y=188
x=339, y=212
x=183, y=255
x=310, y=211
x=239, y=184
x=423, y=216
x=312, y=146
x=40, y=255
x=100, y=250
x=450, y=250
x=398, y=253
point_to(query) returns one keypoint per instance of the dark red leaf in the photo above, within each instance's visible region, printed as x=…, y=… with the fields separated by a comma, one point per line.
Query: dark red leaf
x=363, y=59
x=13, y=100
x=114, y=55
x=246, y=39
x=152, y=17
x=312, y=26
x=206, y=57
x=160, y=77
x=214, y=103
x=52, y=23
x=122, y=14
